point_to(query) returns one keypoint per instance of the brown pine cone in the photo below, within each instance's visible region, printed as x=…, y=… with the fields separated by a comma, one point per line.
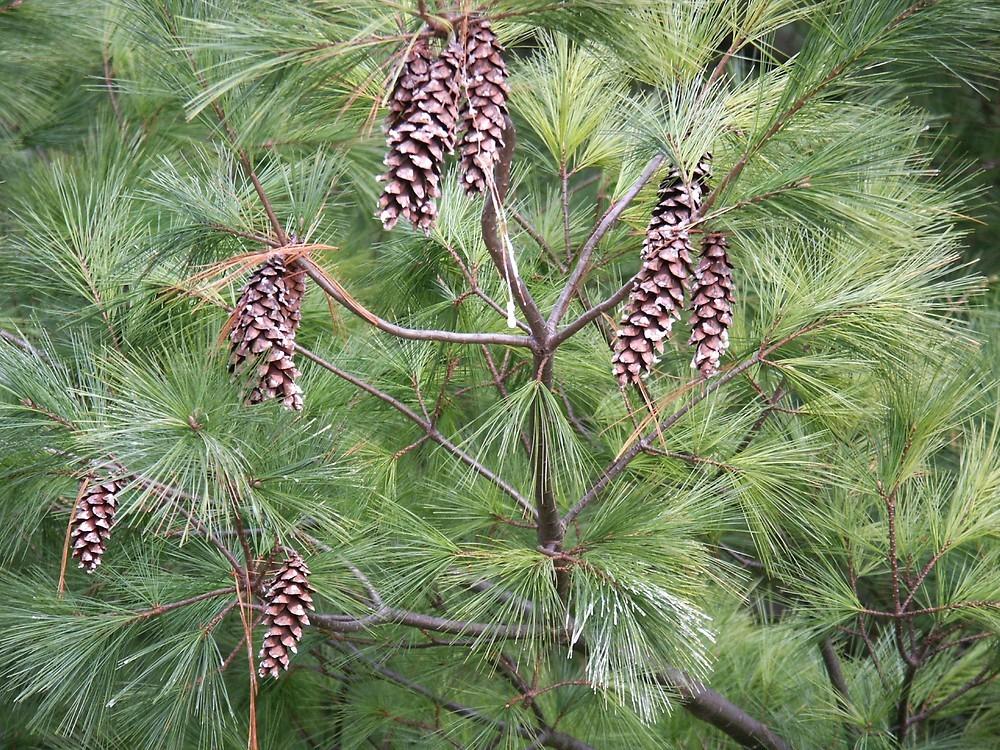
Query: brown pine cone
x=418, y=138
x=267, y=316
x=415, y=74
x=285, y=603
x=712, y=305
x=93, y=517
x=485, y=112
x=657, y=295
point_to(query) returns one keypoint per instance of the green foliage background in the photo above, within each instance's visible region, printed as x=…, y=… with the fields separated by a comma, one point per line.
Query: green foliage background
x=751, y=535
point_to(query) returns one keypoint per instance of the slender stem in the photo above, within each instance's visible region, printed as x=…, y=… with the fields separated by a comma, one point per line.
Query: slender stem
x=324, y=282
x=987, y=674
x=594, y=312
x=164, y=608
x=393, y=616
x=539, y=240
x=783, y=118
x=609, y=219
x=621, y=463
x=425, y=424
x=564, y=179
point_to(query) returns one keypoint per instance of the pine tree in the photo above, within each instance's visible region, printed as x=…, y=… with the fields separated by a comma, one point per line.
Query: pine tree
x=791, y=545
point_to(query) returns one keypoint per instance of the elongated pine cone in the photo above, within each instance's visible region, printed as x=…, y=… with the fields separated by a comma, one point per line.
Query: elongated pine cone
x=712, y=304
x=657, y=294
x=422, y=125
x=266, y=319
x=93, y=518
x=484, y=114
x=286, y=601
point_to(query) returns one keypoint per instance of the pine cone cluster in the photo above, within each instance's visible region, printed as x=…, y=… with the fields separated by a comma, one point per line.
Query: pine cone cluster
x=424, y=110
x=658, y=293
x=422, y=125
x=711, y=304
x=485, y=112
x=285, y=603
x=263, y=334
x=93, y=517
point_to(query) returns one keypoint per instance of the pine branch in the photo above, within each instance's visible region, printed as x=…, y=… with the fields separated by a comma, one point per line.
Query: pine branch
x=713, y=708
x=496, y=241
x=423, y=423
x=545, y=737
x=608, y=221
x=622, y=462
x=324, y=282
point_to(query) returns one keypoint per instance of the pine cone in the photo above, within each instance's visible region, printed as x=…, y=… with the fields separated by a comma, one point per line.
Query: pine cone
x=93, y=518
x=419, y=135
x=414, y=76
x=658, y=293
x=267, y=316
x=712, y=304
x=485, y=112
x=286, y=601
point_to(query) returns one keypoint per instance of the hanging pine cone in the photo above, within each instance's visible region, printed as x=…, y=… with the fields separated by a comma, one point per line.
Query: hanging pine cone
x=712, y=304
x=485, y=112
x=414, y=76
x=266, y=318
x=286, y=601
x=422, y=123
x=657, y=294
x=93, y=517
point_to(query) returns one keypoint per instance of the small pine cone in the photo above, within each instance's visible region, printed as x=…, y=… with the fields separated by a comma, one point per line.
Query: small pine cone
x=267, y=317
x=93, y=518
x=657, y=295
x=418, y=139
x=286, y=601
x=484, y=115
x=712, y=305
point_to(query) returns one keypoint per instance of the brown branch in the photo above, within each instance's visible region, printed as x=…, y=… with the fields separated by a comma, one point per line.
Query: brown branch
x=922, y=576
x=609, y=219
x=972, y=604
x=539, y=240
x=835, y=672
x=987, y=674
x=164, y=608
x=491, y=228
x=336, y=292
x=715, y=709
x=594, y=312
x=432, y=432
x=783, y=119
x=110, y=86
x=542, y=736
x=393, y=616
